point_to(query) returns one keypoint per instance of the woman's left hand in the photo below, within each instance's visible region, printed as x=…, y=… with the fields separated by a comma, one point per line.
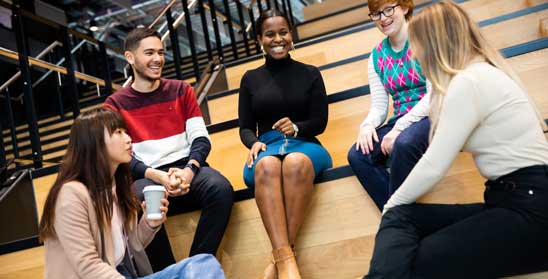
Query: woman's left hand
x=284, y=126
x=163, y=209
x=388, y=141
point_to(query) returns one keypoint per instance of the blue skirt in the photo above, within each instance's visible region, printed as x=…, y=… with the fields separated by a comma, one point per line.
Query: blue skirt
x=279, y=145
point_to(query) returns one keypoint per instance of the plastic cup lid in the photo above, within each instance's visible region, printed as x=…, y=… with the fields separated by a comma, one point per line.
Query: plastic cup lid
x=154, y=188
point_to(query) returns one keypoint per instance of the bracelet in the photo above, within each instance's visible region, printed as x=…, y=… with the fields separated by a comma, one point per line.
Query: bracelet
x=296, y=129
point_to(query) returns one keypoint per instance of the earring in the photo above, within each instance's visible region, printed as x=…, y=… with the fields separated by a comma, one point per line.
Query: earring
x=264, y=52
x=292, y=46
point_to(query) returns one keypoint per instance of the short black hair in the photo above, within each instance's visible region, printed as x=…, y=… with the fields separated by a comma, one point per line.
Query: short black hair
x=137, y=35
x=266, y=15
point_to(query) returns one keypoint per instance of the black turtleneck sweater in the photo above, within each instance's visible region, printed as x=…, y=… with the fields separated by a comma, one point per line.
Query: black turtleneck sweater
x=278, y=89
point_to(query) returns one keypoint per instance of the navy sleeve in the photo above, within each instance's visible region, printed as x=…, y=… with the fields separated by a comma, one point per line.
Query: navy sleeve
x=246, y=119
x=137, y=168
x=199, y=149
x=318, y=111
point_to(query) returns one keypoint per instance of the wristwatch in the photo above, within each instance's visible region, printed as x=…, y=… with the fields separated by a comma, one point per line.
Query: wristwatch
x=192, y=167
x=296, y=129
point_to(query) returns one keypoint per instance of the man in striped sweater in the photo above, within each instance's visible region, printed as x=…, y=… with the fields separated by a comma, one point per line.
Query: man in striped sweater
x=170, y=145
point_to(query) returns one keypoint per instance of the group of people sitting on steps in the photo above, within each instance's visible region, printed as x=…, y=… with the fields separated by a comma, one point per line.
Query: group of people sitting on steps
x=451, y=92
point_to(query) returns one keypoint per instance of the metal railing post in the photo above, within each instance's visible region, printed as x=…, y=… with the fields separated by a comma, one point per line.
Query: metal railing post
x=70, y=80
x=11, y=122
x=230, y=29
x=2, y=148
x=260, y=6
x=191, y=42
x=290, y=15
x=242, y=23
x=253, y=31
x=284, y=7
x=218, y=42
x=106, y=65
x=174, y=37
x=58, y=93
x=201, y=10
x=22, y=48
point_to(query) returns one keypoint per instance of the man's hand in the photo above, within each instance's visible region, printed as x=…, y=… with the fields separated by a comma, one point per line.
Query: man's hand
x=184, y=177
x=169, y=181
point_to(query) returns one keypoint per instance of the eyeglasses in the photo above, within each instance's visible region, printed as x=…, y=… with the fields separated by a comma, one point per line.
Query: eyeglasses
x=388, y=12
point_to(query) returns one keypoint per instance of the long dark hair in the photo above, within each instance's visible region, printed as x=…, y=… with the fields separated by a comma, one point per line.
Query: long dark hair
x=266, y=15
x=86, y=161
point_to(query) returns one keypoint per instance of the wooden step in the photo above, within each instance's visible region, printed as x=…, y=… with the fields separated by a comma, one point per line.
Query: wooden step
x=543, y=27
x=326, y=8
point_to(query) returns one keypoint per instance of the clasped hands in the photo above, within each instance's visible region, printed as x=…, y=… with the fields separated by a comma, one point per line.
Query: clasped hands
x=176, y=181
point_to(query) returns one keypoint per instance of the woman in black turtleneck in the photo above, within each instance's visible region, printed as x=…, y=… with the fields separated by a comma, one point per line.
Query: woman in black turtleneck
x=285, y=104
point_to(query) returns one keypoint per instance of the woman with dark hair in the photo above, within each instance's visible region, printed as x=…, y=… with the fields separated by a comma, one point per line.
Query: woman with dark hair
x=478, y=105
x=89, y=224
x=282, y=108
x=393, y=73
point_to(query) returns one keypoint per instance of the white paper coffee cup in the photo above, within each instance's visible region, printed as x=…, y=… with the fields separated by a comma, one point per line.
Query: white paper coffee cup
x=153, y=195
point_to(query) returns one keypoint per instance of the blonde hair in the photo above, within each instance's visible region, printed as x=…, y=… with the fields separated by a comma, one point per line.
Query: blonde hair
x=444, y=39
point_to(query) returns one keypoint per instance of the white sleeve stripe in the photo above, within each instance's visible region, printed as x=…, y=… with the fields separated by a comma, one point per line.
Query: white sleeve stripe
x=195, y=128
x=379, y=98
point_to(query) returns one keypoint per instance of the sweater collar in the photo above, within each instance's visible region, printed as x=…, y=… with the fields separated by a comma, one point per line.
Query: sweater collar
x=274, y=64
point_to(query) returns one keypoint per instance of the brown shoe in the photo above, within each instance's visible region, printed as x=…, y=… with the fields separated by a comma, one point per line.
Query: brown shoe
x=286, y=263
x=270, y=271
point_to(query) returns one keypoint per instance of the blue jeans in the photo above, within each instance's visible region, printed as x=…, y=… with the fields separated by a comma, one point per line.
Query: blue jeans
x=201, y=266
x=371, y=168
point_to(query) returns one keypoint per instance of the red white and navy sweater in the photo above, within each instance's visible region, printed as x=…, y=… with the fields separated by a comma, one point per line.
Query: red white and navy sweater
x=165, y=125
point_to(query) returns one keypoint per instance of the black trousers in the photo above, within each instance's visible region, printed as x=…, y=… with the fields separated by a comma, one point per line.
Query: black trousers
x=506, y=235
x=209, y=191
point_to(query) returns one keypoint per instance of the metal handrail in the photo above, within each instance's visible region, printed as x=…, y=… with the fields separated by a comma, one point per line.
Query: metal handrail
x=46, y=65
x=44, y=76
x=162, y=13
x=73, y=51
x=204, y=79
x=223, y=16
x=39, y=56
x=178, y=20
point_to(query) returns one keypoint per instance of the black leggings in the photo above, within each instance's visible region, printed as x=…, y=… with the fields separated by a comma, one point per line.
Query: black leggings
x=506, y=235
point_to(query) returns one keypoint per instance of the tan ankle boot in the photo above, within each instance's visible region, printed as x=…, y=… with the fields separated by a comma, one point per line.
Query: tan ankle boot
x=286, y=263
x=270, y=271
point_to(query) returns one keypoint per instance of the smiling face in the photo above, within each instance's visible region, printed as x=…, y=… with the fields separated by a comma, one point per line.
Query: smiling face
x=147, y=60
x=276, y=37
x=391, y=25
